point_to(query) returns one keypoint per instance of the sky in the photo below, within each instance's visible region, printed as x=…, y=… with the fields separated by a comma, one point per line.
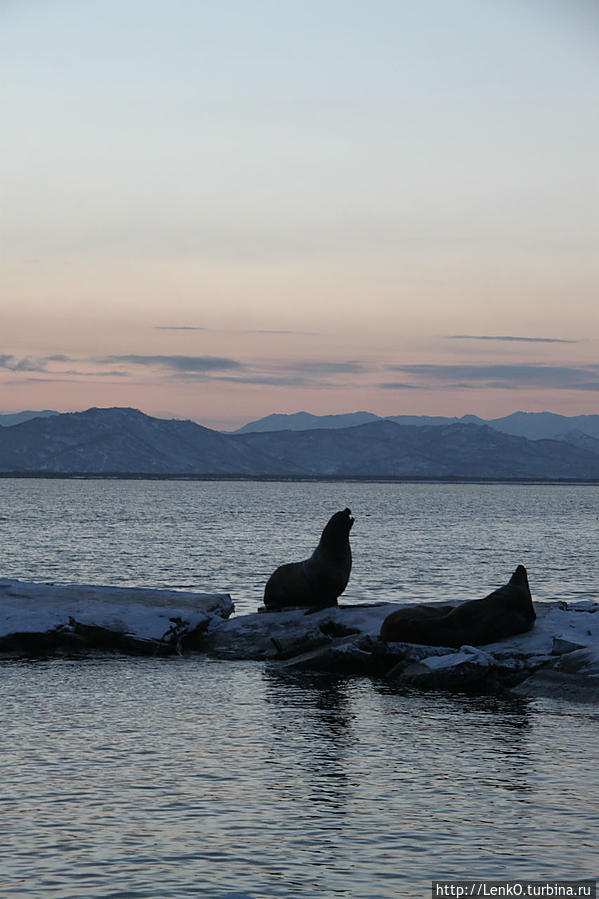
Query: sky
x=220, y=210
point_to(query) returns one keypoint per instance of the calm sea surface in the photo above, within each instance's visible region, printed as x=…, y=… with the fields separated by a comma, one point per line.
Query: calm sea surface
x=126, y=777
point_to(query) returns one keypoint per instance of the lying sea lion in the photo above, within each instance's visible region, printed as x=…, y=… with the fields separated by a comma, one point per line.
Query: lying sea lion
x=503, y=613
x=318, y=581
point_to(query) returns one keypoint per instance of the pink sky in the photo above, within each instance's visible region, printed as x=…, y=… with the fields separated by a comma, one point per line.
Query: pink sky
x=239, y=209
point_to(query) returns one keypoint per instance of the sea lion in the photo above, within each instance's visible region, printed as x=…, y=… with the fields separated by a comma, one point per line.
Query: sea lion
x=503, y=613
x=318, y=581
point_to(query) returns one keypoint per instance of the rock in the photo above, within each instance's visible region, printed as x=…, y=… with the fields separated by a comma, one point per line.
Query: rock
x=292, y=632
x=341, y=656
x=584, y=661
x=44, y=618
x=561, y=646
x=559, y=655
x=560, y=685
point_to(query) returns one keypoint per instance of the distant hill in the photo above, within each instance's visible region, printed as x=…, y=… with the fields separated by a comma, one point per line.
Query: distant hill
x=386, y=448
x=585, y=441
x=125, y=441
x=536, y=425
x=14, y=418
x=304, y=421
x=533, y=425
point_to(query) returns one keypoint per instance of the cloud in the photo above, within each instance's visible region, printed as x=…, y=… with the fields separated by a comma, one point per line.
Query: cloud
x=9, y=362
x=282, y=373
x=73, y=372
x=310, y=373
x=327, y=368
x=67, y=377
x=400, y=385
x=40, y=381
x=180, y=328
x=514, y=377
x=508, y=338
x=40, y=366
x=216, y=368
x=175, y=363
x=270, y=380
x=28, y=364
x=299, y=374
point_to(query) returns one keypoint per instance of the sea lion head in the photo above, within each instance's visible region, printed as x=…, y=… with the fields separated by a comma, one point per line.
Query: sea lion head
x=522, y=601
x=520, y=578
x=336, y=532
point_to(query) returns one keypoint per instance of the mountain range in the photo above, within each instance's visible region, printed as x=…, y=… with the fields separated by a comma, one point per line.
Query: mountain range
x=534, y=425
x=15, y=418
x=120, y=441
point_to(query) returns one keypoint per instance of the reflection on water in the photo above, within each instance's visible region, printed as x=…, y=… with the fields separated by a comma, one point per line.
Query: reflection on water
x=189, y=777
x=315, y=713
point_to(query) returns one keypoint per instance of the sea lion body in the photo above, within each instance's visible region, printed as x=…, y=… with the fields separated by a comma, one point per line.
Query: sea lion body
x=318, y=581
x=505, y=612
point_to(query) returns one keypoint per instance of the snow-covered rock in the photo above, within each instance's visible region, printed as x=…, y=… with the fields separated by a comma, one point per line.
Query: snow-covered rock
x=560, y=653
x=573, y=675
x=291, y=632
x=345, y=639
x=48, y=616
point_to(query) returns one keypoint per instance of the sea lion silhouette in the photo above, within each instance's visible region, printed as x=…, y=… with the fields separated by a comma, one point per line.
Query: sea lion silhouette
x=318, y=581
x=503, y=613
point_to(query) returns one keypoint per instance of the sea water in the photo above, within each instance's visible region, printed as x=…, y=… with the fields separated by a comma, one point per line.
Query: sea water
x=127, y=777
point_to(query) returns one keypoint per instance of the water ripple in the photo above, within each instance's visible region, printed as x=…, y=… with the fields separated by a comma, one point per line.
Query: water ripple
x=154, y=778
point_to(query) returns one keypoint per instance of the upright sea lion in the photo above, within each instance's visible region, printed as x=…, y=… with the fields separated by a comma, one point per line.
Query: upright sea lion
x=503, y=613
x=318, y=581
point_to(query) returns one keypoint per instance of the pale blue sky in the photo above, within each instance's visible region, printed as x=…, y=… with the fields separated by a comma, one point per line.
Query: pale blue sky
x=317, y=195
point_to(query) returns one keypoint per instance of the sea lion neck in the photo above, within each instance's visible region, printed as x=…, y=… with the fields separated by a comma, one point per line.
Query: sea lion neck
x=520, y=577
